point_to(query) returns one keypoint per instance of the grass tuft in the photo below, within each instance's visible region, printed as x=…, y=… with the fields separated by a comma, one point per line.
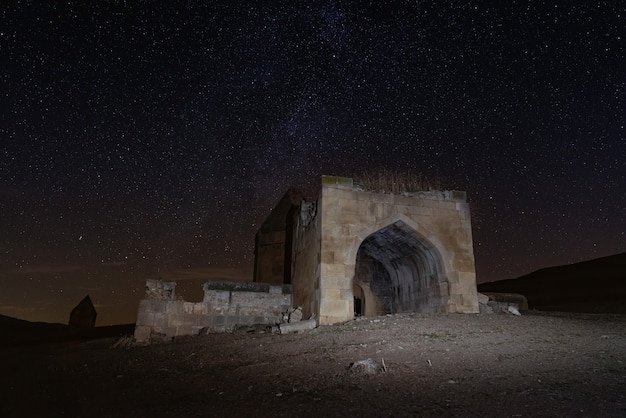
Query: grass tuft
x=390, y=181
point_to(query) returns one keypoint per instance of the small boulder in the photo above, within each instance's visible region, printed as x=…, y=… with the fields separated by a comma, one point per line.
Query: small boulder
x=513, y=310
x=367, y=366
x=296, y=314
x=483, y=299
x=297, y=326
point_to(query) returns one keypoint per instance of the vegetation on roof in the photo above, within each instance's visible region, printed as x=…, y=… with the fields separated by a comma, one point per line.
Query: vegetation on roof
x=391, y=181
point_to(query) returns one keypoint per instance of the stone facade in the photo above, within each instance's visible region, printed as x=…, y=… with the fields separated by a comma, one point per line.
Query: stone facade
x=368, y=253
x=225, y=306
x=351, y=252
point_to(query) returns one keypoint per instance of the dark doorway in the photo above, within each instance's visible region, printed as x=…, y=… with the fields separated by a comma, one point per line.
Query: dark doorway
x=403, y=270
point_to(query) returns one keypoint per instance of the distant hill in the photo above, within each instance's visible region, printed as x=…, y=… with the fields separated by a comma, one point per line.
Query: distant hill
x=15, y=331
x=597, y=285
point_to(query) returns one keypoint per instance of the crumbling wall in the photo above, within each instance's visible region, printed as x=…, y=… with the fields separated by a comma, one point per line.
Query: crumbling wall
x=225, y=306
x=306, y=259
x=273, y=241
x=270, y=256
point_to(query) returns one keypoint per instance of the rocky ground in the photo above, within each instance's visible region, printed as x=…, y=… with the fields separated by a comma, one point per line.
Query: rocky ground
x=537, y=364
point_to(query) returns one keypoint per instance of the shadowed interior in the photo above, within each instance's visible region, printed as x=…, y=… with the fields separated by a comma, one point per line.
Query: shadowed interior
x=398, y=270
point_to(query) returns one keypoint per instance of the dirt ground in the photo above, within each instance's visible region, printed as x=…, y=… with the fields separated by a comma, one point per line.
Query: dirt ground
x=537, y=364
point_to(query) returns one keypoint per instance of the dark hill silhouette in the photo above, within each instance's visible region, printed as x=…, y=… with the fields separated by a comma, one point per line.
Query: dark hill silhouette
x=596, y=286
x=15, y=331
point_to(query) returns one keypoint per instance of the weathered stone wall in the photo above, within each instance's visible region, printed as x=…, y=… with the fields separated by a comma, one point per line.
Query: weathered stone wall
x=438, y=223
x=273, y=242
x=225, y=306
x=306, y=260
x=376, y=297
x=270, y=251
x=386, y=253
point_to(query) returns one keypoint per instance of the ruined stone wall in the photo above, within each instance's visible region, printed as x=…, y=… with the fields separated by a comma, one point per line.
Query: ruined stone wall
x=225, y=306
x=306, y=260
x=439, y=220
x=270, y=256
x=273, y=242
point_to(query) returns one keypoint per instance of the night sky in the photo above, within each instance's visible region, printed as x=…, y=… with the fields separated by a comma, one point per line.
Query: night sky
x=145, y=139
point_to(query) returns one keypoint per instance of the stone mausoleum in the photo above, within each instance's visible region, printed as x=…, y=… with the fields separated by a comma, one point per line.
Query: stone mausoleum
x=359, y=252
x=351, y=252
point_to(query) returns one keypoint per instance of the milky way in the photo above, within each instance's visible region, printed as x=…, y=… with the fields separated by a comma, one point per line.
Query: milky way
x=147, y=139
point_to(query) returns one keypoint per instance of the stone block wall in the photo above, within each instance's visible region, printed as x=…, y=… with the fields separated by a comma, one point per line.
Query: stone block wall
x=438, y=221
x=379, y=252
x=225, y=306
x=270, y=251
x=273, y=241
x=306, y=260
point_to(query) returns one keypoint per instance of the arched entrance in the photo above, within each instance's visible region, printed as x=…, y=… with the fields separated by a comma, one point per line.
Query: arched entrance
x=398, y=270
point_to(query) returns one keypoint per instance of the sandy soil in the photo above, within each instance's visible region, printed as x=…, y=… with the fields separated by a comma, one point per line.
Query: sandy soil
x=538, y=364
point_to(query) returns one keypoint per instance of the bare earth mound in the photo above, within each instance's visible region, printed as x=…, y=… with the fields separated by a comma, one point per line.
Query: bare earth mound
x=449, y=365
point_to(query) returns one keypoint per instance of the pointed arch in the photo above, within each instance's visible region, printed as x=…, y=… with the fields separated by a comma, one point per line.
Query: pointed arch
x=401, y=266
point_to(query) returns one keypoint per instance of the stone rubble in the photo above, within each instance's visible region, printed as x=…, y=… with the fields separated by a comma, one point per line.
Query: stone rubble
x=297, y=326
x=365, y=367
x=501, y=303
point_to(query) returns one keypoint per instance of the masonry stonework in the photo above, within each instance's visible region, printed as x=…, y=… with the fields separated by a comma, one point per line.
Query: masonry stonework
x=225, y=306
x=358, y=252
x=351, y=252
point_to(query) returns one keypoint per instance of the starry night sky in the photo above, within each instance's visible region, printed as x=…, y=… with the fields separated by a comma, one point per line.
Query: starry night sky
x=145, y=139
